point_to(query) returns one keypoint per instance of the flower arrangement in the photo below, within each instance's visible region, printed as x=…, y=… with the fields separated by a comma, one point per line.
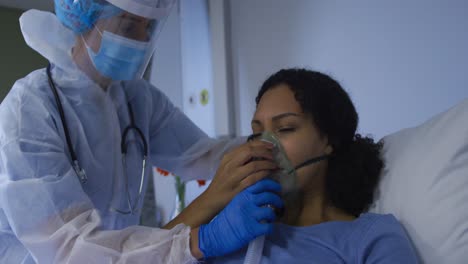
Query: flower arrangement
x=180, y=190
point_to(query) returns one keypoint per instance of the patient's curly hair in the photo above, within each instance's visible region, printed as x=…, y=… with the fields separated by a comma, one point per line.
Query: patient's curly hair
x=355, y=164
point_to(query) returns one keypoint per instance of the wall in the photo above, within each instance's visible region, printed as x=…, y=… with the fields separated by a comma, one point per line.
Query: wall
x=28, y=4
x=401, y=61
x=17, y=59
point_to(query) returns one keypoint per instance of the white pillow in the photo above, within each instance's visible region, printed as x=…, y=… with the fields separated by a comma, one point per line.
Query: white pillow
x=425, y=185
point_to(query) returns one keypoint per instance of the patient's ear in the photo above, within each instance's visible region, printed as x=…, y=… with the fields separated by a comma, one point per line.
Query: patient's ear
x=328, y=150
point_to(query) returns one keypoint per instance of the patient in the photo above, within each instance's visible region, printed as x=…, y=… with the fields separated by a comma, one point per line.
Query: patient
x=313, y=116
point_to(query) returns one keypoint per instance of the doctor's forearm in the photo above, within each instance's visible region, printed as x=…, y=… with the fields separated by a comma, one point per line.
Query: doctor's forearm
x=194, y=245
x=199, y=212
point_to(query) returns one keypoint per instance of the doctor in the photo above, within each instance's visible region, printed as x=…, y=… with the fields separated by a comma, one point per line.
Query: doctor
x=77, y=140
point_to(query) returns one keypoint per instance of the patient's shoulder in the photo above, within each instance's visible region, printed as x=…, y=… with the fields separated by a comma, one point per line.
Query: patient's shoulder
x=380, y=221
x=382, y=237
x=369, y=227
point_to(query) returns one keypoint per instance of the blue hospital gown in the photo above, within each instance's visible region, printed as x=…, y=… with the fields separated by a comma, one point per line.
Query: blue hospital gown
x=371, y=238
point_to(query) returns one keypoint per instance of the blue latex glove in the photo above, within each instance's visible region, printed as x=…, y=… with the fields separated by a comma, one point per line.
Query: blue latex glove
x=243, y=219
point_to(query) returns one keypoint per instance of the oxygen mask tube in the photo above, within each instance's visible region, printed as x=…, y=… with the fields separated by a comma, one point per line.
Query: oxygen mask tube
x=286, y=177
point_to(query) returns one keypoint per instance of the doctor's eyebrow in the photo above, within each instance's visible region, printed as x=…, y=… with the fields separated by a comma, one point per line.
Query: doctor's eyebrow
x=277, y=117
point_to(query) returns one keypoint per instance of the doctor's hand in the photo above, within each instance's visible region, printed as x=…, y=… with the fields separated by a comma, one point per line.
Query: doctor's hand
x=239, y=169
x=245, y=218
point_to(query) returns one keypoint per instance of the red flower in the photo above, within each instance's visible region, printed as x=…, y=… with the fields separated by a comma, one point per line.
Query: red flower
x=201, y=182
x=162, y=172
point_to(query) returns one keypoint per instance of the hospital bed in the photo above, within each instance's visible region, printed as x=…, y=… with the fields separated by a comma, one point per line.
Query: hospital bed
x=425, y=185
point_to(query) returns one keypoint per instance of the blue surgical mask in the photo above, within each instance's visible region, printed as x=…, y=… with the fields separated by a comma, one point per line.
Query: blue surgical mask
x=118, y=58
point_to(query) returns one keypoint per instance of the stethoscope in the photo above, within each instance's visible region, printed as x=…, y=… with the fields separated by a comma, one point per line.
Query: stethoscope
x=124, y=146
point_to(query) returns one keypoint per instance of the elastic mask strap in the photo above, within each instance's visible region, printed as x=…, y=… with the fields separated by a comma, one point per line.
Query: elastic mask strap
x=98, y=30
x=309, y=162
x=86, y=44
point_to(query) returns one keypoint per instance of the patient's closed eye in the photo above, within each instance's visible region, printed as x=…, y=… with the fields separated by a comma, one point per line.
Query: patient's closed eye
x=286, y=129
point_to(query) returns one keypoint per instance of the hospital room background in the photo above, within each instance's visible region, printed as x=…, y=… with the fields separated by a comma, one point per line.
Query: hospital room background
x=403, y=62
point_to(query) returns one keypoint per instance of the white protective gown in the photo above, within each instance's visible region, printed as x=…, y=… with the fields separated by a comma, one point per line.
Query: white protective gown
x=46, y=214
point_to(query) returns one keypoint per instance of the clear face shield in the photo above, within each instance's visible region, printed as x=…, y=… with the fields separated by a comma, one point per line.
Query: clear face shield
x=123, y=36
